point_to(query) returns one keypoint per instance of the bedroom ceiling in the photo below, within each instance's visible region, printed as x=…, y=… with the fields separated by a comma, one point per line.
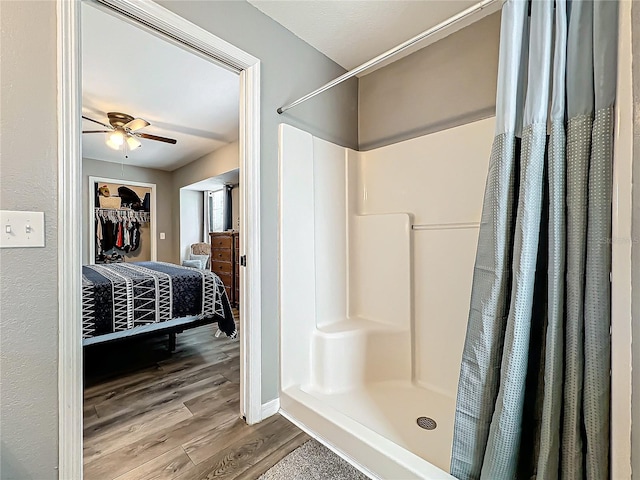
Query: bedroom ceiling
x=350, y=32
x=232, y=177
x=183, y=96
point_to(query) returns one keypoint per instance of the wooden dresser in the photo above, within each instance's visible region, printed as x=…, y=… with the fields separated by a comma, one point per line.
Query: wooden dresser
x=225, y=256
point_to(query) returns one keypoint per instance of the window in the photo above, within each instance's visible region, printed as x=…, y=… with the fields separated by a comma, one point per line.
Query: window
x=216, y=211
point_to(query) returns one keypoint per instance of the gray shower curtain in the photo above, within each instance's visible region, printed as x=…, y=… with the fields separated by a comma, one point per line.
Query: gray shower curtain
x=533, y=394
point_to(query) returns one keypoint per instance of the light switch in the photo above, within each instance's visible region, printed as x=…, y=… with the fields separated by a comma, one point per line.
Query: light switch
x=162, y=236
x=21, y=229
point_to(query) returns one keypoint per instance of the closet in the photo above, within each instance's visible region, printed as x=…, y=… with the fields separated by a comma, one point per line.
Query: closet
x=121, y=221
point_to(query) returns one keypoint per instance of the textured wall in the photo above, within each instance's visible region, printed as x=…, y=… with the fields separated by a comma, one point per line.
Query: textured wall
x=28, y=176
x=164, y=205
x=28, y=276
x=290, y=68
x=448, y=83
x=635, y=252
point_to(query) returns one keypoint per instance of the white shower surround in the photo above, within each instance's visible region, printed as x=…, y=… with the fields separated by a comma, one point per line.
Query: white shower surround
x=373, y=313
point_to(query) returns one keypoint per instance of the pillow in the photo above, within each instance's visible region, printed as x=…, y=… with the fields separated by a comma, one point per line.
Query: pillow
x=192, y=263
x=203, y=259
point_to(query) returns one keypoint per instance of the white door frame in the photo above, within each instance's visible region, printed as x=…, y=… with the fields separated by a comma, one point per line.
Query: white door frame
x=621, y=246
x=174, y=28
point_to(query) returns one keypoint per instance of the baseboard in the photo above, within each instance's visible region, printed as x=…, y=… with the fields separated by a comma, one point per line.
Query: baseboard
x=270, y=408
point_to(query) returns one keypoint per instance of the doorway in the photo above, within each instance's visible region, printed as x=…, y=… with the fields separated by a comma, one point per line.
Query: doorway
x=163, y=23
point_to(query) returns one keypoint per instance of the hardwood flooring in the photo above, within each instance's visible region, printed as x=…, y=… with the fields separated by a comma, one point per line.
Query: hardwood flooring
x=149, y=414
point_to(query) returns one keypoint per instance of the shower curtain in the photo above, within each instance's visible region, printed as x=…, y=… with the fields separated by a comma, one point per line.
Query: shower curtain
x=533, y=394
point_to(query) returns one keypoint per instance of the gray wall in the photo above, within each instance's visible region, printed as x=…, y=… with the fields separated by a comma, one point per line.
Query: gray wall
x=211, y=165
x=164, y=205
x=446, y=84
x=28, y=172
x=290, y=68
x=28, y=277
x=635, y=248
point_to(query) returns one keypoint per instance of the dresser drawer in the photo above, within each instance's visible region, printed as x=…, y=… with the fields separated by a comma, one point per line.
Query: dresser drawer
x=221, y=255
x=226, y=279
x=222, y=241
x=219, y=267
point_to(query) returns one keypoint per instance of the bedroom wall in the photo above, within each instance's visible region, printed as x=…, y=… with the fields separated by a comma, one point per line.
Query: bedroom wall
x=211, y=165
x=290, y=68
x=164, y=205
x=191, y=214
x=448, y=83
x=28, y=276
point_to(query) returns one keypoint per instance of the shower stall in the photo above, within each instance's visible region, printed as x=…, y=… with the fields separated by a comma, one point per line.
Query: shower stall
x=377, y=252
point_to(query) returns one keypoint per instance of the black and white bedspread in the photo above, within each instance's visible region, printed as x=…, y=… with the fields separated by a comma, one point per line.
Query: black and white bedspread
x=121, y=296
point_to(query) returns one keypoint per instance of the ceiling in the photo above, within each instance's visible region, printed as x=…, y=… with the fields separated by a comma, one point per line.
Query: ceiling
x=350, y=32
x=232, y=177
x=184, y=96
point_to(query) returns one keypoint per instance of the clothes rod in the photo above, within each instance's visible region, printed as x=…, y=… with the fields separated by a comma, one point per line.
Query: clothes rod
x=394, y=51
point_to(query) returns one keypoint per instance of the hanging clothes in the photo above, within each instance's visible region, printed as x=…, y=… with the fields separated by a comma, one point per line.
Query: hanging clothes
x=119, y=229
x=135, y=236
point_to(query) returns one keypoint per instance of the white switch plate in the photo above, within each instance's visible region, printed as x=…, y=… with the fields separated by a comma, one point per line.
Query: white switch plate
x=162, y=236
x=21, y=229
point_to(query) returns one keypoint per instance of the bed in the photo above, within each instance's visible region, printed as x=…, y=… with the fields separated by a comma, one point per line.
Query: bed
x=121, y=300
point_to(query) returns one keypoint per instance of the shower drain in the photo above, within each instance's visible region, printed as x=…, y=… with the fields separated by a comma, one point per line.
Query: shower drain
x=427, y=423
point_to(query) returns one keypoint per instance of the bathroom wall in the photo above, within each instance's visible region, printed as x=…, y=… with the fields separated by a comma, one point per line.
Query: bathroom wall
x=289, y=69
x=28, y=276
x=448, y=83
x=438, y=179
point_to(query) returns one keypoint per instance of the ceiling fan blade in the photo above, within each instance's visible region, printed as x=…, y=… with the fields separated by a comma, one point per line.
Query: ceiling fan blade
x=97, y=131
x=136, y=124
x=99, y=123
x=133, y=142
x=154, y=137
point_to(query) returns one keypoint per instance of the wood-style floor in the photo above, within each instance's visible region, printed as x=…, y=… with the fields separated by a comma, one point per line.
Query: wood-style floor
x=149, y=414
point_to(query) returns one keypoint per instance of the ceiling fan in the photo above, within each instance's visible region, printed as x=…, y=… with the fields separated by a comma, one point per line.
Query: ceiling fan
x=124, y=128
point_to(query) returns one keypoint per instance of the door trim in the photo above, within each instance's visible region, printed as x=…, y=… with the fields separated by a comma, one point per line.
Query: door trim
x=621, y=252
x=174, y=28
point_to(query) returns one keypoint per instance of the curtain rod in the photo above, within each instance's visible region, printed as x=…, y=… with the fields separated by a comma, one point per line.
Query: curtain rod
x=394, y=51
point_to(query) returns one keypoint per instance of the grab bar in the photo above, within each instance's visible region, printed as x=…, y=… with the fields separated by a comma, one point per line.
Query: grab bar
x=445, y=226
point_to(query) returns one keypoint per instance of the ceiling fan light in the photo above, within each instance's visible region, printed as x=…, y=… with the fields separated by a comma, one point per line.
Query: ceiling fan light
x=133, y=142
x=113, y=145
x=116, y=139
